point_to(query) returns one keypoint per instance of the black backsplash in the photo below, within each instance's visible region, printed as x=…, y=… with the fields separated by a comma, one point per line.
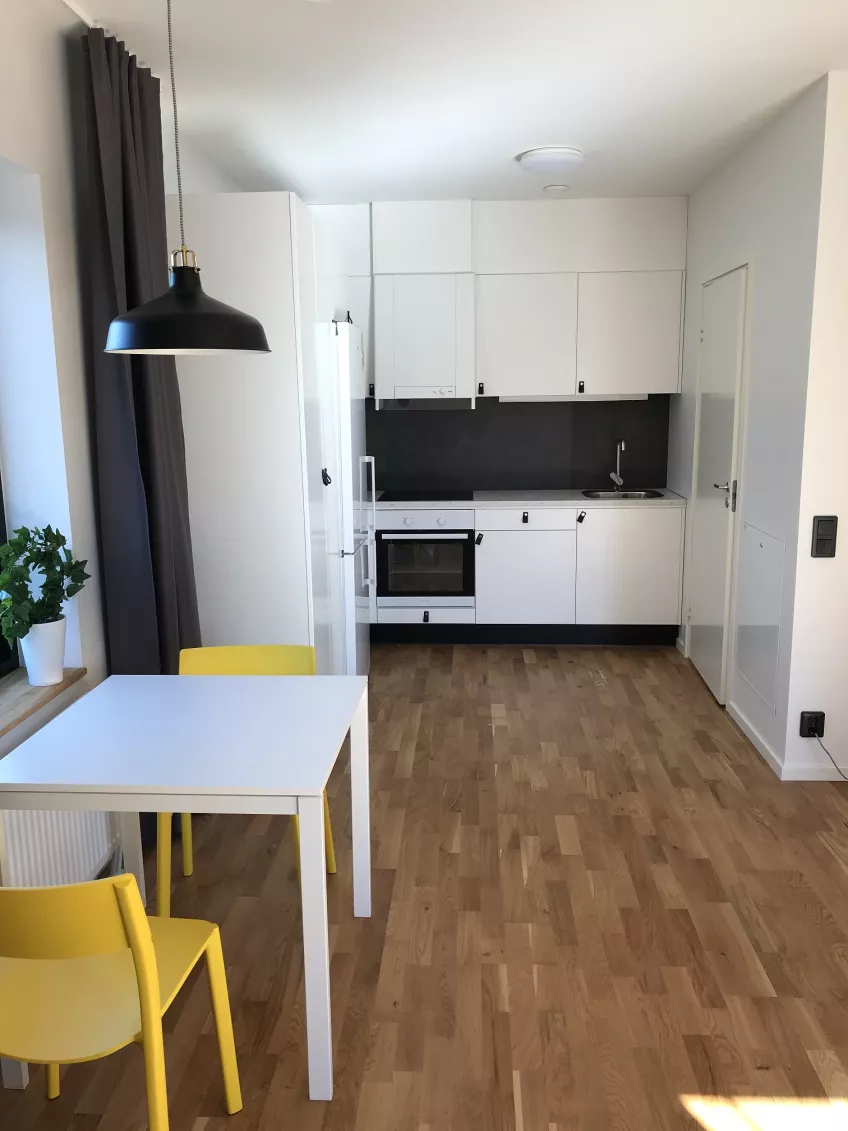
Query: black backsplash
x=519, y=446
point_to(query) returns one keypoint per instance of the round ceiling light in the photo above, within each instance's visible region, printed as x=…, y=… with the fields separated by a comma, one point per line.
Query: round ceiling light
x=556, y=190
x=550, y=159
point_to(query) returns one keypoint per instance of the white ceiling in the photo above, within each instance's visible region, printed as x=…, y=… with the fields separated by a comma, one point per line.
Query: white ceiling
x=353, y=100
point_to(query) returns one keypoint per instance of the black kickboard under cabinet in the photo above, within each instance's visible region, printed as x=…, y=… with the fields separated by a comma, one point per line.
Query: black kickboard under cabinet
x=526, y=635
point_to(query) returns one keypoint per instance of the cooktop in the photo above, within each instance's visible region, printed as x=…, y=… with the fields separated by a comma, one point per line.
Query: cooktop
x=427, y=497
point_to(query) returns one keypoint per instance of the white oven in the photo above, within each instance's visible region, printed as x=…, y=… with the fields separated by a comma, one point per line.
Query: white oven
x=425, y=559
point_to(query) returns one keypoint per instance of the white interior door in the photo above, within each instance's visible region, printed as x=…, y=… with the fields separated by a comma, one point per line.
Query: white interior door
x=714, y=490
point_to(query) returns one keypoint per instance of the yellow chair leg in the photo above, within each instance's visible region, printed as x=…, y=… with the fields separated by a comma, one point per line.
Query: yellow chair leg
x=163, y=867
x=329, y=847
x=223, y=1022
x=154, y=1078
x=188, y=844
x=52, y=1081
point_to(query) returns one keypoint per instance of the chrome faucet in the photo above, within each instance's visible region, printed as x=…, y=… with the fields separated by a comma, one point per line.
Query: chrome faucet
x=615, y=476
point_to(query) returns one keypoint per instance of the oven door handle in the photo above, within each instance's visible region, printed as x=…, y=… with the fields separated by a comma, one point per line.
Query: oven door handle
x=422, y=537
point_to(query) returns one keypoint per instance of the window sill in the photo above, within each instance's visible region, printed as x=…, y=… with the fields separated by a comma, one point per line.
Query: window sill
x=18, y=700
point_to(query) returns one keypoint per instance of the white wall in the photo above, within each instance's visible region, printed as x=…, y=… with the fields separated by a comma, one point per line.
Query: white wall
x=819, y=671
x=35, y=135
x=241, y=418
x=761, y=208
x=31, y=446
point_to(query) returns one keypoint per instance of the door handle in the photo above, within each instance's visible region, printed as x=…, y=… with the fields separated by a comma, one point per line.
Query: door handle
x=325, y=477
x=427, y=617
x=478, y=539
x=581, y=517
x=525, y=517
x=721, y=486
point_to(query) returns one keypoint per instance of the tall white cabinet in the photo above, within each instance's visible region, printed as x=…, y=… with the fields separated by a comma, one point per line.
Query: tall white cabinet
x=252, y=431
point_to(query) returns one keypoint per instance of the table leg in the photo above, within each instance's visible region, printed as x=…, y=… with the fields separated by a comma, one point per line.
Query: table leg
x=316, y=947
x=130, y=833
x=360, y=808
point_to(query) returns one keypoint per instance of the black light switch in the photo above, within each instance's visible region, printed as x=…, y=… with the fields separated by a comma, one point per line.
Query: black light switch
x=824, y=536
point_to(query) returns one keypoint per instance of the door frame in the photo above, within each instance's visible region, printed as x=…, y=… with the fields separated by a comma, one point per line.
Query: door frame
x=737, y=461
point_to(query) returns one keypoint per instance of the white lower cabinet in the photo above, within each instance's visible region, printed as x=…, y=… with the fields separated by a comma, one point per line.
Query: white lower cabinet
x=629, y=565
x=525, y=576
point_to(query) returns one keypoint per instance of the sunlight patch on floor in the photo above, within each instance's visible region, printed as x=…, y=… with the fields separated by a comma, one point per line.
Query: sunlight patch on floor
x=759, y=1113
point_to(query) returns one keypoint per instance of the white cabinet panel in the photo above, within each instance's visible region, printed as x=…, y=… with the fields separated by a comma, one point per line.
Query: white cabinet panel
x=537, y=518
x=631, y=234
x=526, y=334
x=628, y=331
x=629, y=562
x=422, y=337
x=525, y=577
x=420, y=237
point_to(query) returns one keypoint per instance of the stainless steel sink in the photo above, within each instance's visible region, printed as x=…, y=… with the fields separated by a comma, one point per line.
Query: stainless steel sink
x=623, y=494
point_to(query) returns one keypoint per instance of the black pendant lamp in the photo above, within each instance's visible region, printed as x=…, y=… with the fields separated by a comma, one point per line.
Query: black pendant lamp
x=184, y=320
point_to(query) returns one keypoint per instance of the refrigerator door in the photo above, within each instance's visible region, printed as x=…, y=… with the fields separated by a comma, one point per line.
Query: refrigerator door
x=356, y=493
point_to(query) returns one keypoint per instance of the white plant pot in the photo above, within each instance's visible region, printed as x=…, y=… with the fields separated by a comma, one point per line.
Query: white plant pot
x=44, y=653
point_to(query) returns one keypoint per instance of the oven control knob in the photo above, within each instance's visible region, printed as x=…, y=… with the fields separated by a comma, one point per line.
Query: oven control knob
x=409, y=522
x=442, y=521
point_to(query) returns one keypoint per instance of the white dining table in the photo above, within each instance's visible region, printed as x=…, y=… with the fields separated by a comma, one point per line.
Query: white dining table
x=215, y=744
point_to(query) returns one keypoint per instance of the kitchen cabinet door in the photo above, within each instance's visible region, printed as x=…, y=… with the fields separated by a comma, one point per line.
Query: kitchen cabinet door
x=423, y=336
x=628, y=332
x=629, y=565
x=525, y=577
x=526, y=334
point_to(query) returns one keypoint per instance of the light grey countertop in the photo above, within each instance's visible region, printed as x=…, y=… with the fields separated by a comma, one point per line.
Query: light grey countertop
x=536, y=499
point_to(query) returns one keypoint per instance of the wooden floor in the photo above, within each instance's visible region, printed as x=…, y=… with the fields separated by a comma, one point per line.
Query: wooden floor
x=591, y=898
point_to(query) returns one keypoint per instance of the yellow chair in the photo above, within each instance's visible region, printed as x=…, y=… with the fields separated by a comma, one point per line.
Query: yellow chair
x=236, y=659
x=84, y=972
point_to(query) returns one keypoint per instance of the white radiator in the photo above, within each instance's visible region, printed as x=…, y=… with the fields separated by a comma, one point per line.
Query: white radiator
x=40, y=848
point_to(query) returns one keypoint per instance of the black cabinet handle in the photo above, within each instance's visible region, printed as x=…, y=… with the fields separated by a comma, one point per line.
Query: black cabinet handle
x=370, y=390
x=581, y=516
x=581, y=386
x=427, y=617
x=525, y=516
x=478, y=539
x=325, y=477
x=480, y=389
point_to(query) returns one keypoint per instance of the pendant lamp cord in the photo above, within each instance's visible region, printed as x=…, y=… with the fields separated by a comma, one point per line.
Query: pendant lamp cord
x=176, y=124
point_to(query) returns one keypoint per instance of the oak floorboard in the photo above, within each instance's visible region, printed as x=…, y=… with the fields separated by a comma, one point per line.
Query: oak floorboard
x=591, y=898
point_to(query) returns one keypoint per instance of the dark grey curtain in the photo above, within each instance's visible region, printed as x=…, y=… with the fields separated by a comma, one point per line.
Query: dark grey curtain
x=149, y=597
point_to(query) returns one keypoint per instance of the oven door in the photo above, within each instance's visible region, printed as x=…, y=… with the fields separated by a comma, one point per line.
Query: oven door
x=427, y=567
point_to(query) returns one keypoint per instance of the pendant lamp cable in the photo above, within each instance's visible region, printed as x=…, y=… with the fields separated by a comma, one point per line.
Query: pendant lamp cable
x=176, y=124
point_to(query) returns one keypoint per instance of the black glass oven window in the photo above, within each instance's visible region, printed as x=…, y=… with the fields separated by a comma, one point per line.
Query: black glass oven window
x=420, y=567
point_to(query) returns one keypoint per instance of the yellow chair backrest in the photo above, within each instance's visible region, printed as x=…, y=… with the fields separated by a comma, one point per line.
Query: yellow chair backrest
x=73, y=921
x=249, y=659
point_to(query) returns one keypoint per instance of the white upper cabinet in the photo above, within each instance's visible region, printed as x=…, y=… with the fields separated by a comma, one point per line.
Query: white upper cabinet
x=423, y=336
x=628, y=332
x=629, y=565
x=422, y=237
x=526, y=334
x=636, y=234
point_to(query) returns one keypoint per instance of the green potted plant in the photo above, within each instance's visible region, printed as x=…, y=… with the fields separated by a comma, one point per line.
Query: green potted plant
x=38, y=574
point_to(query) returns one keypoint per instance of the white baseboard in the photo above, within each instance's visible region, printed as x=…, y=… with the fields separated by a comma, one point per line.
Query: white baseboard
x=774, y=763
x=681, y=645
x=810, y=773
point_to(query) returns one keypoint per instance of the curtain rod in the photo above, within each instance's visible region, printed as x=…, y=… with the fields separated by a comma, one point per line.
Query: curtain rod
x=90, y=22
